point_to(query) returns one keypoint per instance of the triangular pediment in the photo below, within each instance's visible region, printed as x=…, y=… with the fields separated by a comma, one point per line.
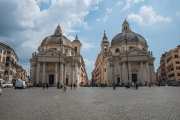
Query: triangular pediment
x=135, y=51
x=49, y=52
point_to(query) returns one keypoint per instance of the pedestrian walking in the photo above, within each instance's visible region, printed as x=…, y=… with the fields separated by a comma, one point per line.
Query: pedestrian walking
x=114, y=86
x=137, y=85
x=71, y=86
x=64, y=88
x=74, y=86
x=149, y=84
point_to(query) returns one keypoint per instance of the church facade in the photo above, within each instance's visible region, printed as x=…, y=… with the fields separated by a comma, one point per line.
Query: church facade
x=58, y=60
x=125, y=60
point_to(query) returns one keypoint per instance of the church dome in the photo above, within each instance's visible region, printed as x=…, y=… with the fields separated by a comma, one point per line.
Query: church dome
x=55, y=39
x=128, y=34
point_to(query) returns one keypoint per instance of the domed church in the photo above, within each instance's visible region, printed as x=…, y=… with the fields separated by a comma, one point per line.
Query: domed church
x=125, y=60
x=58, y=60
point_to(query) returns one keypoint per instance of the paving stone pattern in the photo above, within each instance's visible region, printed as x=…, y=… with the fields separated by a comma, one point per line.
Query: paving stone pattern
x=155, y=103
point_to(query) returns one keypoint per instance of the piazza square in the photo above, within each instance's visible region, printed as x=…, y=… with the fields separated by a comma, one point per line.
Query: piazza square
x=84, y=103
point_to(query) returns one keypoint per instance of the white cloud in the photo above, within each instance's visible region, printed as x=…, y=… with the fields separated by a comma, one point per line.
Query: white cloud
x=95, y=8
x=137, y=1
x=178, y=14
x=24, y=25
x=128, y=4
x=102, y=19
x=119, y=3
x=109, y=10
x=147, y=16
x=89, y=63
x=98, y=19
x=86, y=45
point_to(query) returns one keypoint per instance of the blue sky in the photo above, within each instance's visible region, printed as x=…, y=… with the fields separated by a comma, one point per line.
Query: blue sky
x=25, y=23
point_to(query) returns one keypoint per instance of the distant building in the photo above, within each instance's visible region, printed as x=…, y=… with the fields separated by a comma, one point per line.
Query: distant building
x=170, y=65
x=125, y=60
x=3, y=53
x=58, y=60
x=21, y=74
x=11, y=63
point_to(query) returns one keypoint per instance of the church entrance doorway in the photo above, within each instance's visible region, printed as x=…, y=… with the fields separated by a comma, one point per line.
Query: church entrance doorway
x=134, y=78
x=118, y=80
x=66, y=81
x=51, y=79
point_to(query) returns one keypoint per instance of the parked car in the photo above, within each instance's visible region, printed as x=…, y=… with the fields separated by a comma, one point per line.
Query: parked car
x=20, y=84
x=3, y=85
x=31, y=84
x=9, y=84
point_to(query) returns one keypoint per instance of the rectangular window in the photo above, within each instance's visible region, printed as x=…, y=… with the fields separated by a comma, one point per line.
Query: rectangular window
x=8, y=52
x=177, y=62
x=72, y=53
x=0, y=50
x=7, y=58
x=177, y=68
x=176, y=56
x=172, y=69
x=7, y=64
x=117, y=50
x=6, y=73
x=178, y=74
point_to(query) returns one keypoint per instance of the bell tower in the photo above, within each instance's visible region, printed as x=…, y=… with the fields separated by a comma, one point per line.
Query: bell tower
x=77, y=46
x=104, y=44
x=125, y=26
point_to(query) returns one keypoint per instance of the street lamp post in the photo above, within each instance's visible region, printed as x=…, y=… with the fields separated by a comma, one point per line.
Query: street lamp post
x=127, y=62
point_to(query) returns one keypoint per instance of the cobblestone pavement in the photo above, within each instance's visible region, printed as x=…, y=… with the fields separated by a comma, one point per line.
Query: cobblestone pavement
x=155, y=103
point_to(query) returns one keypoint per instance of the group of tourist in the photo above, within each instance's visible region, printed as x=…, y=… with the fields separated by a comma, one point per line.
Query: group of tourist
x=45, y=85
x=135, y=85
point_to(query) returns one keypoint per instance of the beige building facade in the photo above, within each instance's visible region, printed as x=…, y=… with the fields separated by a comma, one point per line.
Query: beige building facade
x=170, y=65
x=125, y=60
x=58, y=60
x=3, y=52
x=11, y=63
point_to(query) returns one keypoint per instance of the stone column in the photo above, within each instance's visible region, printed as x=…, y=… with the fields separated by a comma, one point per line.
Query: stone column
x=62, y=73
x=44, y=74
x=32, y=73
x=65, y=73
x=75, y=71
x=56, y=73
x=124, y=73
x=111, y=73
x=152, y=73
x=130, y=78
x=38, y=71
x=120, y=74
x=147, y=72
x=142, y=73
